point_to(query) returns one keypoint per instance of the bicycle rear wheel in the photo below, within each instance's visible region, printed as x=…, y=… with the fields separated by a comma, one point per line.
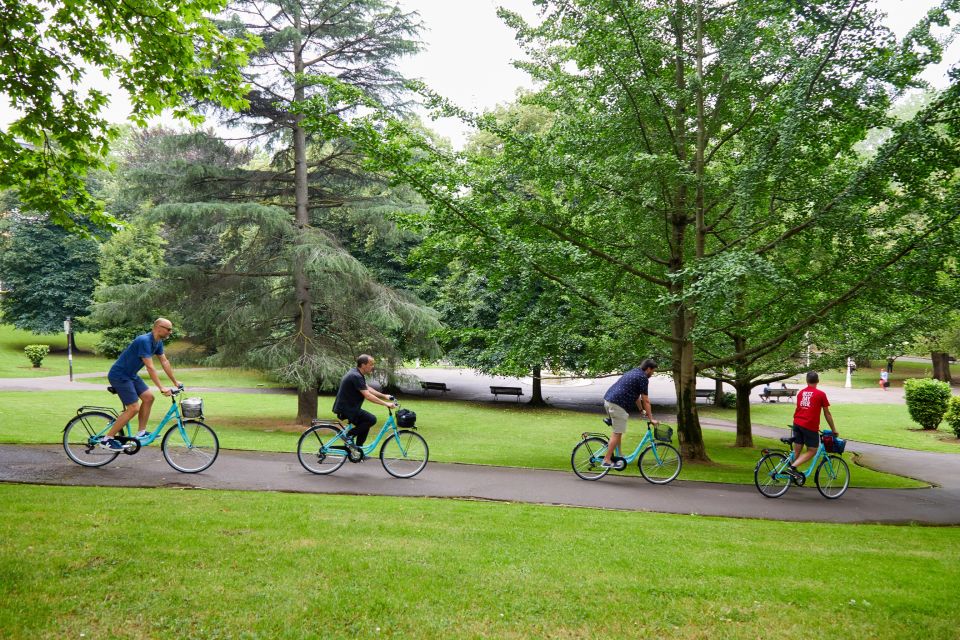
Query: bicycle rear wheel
x=321, y=450
x=404, y=454
x=770, y=482
x=81, y=439
x=661, y=466
x=833, y=477
x=191, y=450
x=586, y=458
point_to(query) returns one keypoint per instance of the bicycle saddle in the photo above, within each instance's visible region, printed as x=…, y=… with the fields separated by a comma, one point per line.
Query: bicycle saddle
x=787, y=440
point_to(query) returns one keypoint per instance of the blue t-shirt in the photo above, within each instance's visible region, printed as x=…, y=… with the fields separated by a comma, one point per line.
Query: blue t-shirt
x=131, y=360
x=628, y=388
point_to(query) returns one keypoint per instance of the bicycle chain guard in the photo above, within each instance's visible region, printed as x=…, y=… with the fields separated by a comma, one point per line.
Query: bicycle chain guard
x=619, y=464
x=354, y=453
x=130, y=445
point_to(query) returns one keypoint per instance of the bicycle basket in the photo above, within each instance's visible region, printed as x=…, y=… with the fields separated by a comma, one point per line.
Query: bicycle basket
x=406, y=418
x=191, y=407
x=663, y=434
x=833, y=444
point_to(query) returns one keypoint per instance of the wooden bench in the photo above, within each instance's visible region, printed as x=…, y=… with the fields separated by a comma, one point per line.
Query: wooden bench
x=774, y=395
x=434, y=386
x=704, y=393
x=506, y=391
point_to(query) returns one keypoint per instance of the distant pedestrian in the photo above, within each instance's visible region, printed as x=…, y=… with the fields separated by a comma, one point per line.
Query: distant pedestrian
x=884, y=379
x=890, y=364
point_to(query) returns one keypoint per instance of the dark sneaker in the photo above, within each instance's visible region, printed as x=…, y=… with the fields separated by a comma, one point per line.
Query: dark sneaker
x=798, y=477
x=608, y=465
x=111, y=443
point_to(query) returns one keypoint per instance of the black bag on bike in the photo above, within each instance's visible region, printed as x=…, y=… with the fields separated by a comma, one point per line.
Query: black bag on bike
x=406, y=418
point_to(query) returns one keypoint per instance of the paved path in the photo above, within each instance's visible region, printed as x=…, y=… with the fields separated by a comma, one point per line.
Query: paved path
x=258, y=471
x=262, y=471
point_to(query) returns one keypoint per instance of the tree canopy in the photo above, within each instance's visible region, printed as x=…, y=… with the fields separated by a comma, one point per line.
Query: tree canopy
x=701, y=183
x=160, y=52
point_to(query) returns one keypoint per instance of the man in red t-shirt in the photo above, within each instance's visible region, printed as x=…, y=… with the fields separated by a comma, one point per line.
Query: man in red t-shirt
x=806, y=424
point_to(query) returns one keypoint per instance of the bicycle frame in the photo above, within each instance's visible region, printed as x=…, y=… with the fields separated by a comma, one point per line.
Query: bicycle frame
x=389, y=426
x=647, y=441
x=146, y=440
x=791, y=456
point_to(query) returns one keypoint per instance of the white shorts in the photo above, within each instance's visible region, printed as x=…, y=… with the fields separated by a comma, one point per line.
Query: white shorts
x=618, y=416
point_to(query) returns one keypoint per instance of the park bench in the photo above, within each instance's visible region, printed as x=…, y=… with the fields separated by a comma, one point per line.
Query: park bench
x=506, y=391
x=705, y=393
x=774, y=395
x=434, y=386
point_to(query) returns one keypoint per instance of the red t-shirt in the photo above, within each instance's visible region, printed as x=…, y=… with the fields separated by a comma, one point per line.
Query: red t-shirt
x=809, y=403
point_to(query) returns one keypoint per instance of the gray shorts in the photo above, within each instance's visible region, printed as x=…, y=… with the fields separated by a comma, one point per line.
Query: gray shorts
x=618, y=415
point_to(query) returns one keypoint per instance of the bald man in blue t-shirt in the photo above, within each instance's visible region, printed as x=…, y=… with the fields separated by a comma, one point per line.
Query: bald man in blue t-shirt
x=125, y=379
x=631, y=389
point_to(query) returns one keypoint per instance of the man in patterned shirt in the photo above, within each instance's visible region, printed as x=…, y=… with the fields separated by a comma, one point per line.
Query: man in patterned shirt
x=631, y=389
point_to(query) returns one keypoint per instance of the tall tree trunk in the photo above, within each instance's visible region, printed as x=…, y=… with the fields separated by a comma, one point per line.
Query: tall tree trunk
x=744, y=428
x=941, y=365
x=718, y=400
x=536, y=392
x=307, y=394
x=688, y=421
x=743, y=386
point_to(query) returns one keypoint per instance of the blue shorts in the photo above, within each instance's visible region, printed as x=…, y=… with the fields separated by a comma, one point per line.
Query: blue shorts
x=129, y=389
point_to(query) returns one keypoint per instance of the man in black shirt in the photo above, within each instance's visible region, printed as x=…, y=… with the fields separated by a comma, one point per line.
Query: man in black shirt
x=351, y=394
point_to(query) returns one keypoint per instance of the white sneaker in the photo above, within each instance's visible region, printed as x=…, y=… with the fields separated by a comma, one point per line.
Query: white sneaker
x=142, y=433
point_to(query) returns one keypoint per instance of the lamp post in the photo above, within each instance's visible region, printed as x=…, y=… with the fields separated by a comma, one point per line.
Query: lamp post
x=68, y=329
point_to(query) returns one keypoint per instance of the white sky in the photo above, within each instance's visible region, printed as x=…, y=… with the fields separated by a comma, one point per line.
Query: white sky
x=468, y=54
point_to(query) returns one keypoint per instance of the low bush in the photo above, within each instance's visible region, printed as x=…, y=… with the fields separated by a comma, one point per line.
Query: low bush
x=927, y=401
x=36, y=353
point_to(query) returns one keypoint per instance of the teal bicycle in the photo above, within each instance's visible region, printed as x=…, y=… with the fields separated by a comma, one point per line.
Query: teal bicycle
x=189, y=445
x=328, y=444
x=832, y=475
x=659, y=461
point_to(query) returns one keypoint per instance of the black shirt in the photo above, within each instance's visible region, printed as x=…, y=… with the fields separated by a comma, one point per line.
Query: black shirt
x=349, y=397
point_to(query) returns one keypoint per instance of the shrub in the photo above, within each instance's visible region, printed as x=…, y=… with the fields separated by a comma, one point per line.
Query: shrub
x=953, y=415
x=927, y=401
x=729, y=400
x=36, y=353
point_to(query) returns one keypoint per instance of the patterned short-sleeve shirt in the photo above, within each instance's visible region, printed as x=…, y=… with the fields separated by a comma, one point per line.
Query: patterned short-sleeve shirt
x=628, y=388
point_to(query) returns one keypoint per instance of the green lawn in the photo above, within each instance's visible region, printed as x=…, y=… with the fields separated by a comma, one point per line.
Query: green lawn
x=869, y=377
x=887, y=424
x=157, y=563
x=14, y=363
x=477, y=433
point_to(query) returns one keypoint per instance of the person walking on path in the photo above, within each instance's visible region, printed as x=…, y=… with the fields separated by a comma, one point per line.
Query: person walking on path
x=134, y=394
x=631, y=389
x=884, y=379
x=351, y=394
x=806, y=424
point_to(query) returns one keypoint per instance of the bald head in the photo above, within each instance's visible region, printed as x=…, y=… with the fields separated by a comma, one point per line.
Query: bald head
x=162, y=328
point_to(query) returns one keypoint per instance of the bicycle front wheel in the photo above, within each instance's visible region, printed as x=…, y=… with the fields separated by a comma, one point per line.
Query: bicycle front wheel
x=660, y=463
x=833, y=477
x=586, y=458
x=81, y=439
x=404, y=454
x=192, y=449
x=769, y=476
x=321, y=450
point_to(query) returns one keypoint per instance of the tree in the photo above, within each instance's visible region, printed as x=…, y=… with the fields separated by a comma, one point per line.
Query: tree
x=702, y=176
x=131, y=257
x=49, y=275
x=356, y=42
x=229, y=267
x=160, y=52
